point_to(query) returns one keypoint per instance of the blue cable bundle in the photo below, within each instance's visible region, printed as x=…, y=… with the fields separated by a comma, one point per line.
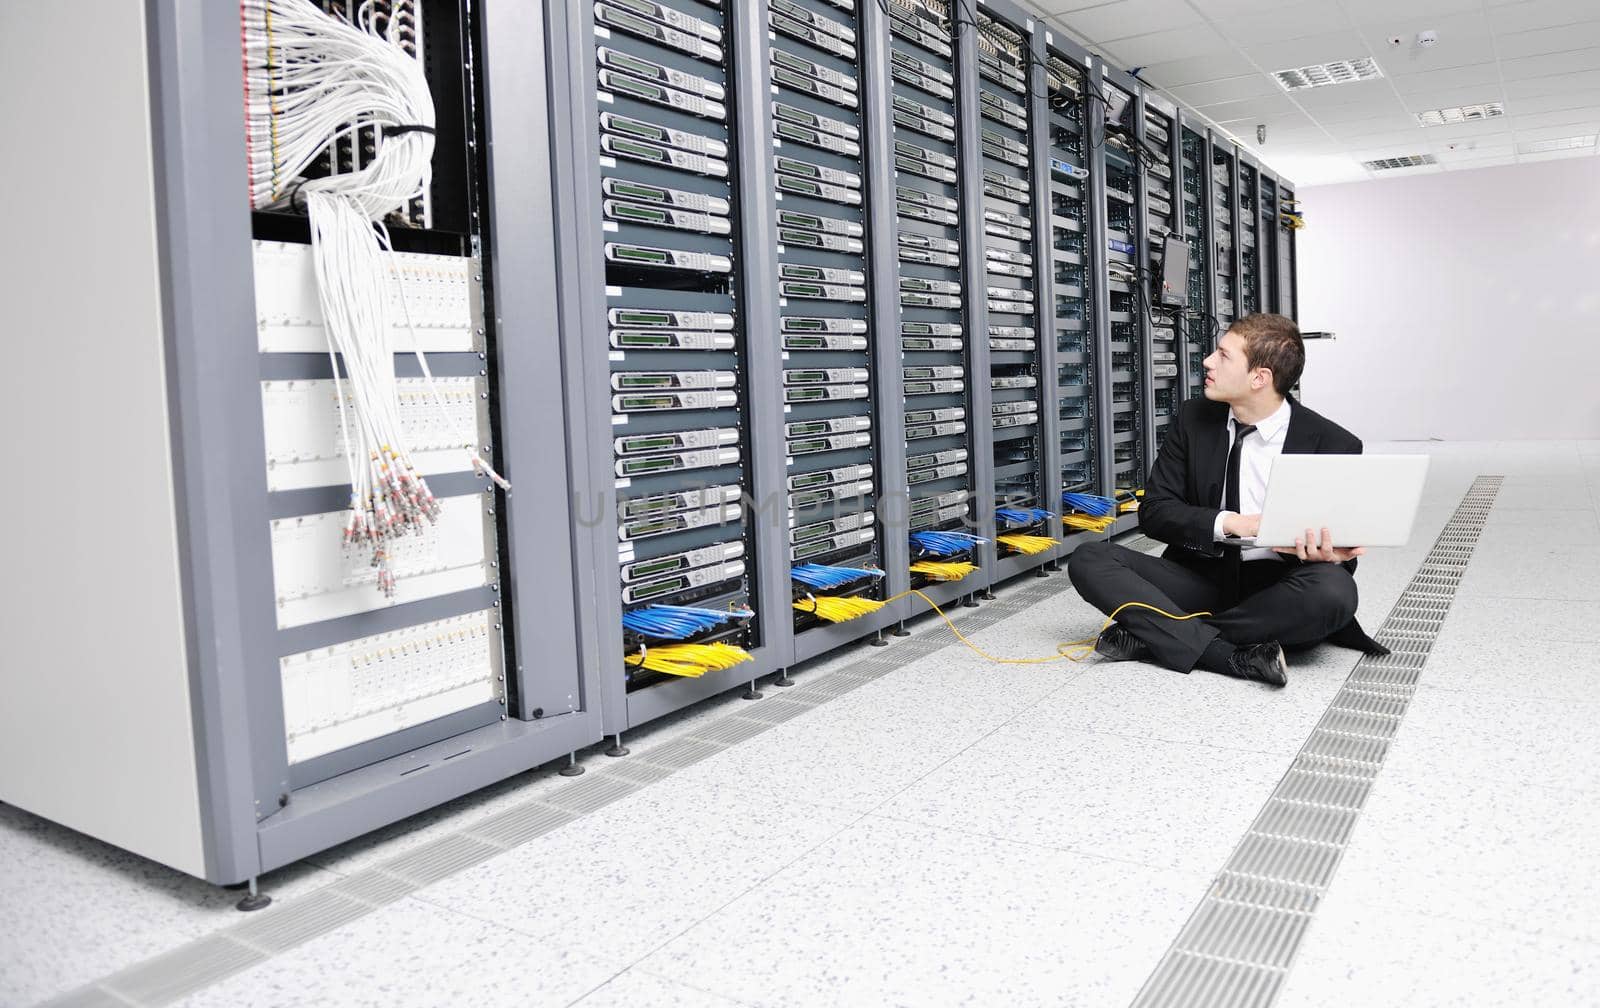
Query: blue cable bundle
x=668, y=622
x=1089, y=504
x=1022, y=516
x=821, y=576
x=945, y=543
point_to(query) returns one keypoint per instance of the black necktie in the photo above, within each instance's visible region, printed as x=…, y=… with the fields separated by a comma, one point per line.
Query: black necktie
x=1230, y=501
x=1232, y=554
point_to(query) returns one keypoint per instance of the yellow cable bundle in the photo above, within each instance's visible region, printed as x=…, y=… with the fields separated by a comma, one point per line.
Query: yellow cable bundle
x=1128, y=506
x=1087, y=523
x=837, y=609
x=689, y=660
x=1029, y=544
x=936, y=570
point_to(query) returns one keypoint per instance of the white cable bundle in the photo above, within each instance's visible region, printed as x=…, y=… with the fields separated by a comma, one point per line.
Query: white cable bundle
x=310, y=81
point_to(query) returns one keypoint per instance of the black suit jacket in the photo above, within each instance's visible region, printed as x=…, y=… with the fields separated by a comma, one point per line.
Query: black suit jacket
x=1180, y=498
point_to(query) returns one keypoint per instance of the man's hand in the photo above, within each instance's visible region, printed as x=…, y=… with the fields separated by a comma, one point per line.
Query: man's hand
x=1242, y=526
x=1312, y=549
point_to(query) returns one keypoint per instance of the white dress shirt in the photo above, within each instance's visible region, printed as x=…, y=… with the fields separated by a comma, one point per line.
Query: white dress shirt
x=1255, y=463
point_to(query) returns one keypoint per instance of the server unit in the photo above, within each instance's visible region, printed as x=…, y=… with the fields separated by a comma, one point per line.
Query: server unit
x=294, y=661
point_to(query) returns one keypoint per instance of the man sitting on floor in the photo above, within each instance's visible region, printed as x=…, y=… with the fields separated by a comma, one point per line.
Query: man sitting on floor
x=1207, y=488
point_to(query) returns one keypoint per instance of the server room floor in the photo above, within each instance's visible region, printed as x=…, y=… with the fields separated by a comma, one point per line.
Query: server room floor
x=955, y=831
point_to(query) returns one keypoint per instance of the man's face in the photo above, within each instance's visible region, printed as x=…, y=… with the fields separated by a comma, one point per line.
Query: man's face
x=1229, y=378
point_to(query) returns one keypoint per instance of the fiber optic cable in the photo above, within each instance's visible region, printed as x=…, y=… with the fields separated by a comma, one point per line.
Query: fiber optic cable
x=1089, y=504
x=1026, y=544
x=689, y=661
x=669, y=622
x=821, y=576
x=1022, y=516
x=945, y=543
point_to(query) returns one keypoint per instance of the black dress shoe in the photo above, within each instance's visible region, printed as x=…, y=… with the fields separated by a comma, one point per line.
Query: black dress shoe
x=1260, y=663
x=1117, y=643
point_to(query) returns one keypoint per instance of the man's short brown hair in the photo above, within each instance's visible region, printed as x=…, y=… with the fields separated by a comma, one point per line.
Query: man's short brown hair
x=1273, y=342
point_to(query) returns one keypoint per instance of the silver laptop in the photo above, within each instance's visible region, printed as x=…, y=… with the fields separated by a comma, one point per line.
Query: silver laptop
x=1364, y=500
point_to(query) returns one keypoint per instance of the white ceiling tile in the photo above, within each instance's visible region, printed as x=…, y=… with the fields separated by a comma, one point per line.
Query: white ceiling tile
x=1590, y=127
x=1552, y=85
x=1550, y=64
x=1566, y=38
x=1483, y=131
x=1474, y=164
x=1286, y=22
x=1562, y=118
x=1340, y=45
x=1462, y=146
x=1556, y=155
x=1172, y=44
x=1366, y=94
x=1369, y=11
x=1478, y=156
x=1560, y=100
x=1130, y=17
x=1451, y=51
x=1063, y=6
x=1198, y=69
x=1371, y=106
x=1422, y=101
x=1254, y=109
x=1229, y=89
x=1484, y=75
x=1218, y=10
x=1454, y=32
x=1402, y=137
x=1532, y=14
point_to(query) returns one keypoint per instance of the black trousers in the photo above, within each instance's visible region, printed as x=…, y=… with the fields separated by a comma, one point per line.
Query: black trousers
x=1296, y=605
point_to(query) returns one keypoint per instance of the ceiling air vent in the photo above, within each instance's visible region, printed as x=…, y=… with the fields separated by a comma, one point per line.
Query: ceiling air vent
x=1565, y=143
x=1461, y=114
x=1323, y=74
x=1405, y=161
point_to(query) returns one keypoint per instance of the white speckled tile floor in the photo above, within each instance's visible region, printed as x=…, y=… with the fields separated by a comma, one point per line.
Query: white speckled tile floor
x=958, y=832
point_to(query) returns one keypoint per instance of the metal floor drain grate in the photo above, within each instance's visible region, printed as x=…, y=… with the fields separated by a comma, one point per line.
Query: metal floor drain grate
x=181, y=972
x=1236, y=949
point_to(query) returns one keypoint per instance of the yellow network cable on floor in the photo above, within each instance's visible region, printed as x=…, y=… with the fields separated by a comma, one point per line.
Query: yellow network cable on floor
x=837, y=609
x=1070, y=650
x=689, y=661
x=943, y=570
x=1029, y=544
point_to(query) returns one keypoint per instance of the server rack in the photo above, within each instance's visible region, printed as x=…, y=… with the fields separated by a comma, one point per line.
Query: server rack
x=1125, y=245
x=1077, y=260
x=1011, y=97
x=1198, y=322
x=674, y=247
x=939, y=243
x=836, y=297
x=1247, y=223
x=1286, y=265
x=1161, y=184
x=281, y=702
x=1266, y=213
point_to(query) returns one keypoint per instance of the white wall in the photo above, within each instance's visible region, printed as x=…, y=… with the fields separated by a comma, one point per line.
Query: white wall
x=1467, y=304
